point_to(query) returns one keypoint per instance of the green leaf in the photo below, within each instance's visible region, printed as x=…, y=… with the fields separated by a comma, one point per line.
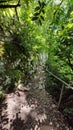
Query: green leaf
x=40, y=22
x=42, y=18
x=43, y=11
x=37, y=8
x=39, y=3
x=36, y=14
x=34, y=18
x=43, y=4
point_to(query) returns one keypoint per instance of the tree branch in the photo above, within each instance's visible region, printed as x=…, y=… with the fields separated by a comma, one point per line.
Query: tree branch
x=16, y=13
x=9, y=6
x=3, y=1
x=18, y=1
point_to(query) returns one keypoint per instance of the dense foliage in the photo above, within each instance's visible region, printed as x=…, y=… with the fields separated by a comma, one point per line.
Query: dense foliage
x=34, y=30
x=16, y=43
x=60, y=54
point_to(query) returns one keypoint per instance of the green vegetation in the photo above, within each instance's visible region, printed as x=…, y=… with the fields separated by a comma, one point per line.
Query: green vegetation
x=29, y=29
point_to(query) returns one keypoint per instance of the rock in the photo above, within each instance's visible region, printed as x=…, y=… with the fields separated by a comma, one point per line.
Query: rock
x=53, y=106
x=21, y=87
x=50, y=123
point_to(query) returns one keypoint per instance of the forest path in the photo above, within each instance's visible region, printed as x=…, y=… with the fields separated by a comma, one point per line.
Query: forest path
x=30, y=110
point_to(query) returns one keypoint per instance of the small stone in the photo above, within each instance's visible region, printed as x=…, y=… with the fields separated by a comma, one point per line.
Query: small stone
x=57, y=125
x=36, y=127
x=53, y=105
x=50, y=123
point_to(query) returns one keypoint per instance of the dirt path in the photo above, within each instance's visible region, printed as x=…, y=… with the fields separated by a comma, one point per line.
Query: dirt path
x=32, y=109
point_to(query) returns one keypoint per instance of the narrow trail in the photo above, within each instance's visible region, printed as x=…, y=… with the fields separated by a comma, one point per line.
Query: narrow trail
x=30, y=110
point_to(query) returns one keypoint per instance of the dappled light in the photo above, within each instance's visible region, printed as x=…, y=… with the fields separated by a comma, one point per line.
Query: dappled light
x=36, y=65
